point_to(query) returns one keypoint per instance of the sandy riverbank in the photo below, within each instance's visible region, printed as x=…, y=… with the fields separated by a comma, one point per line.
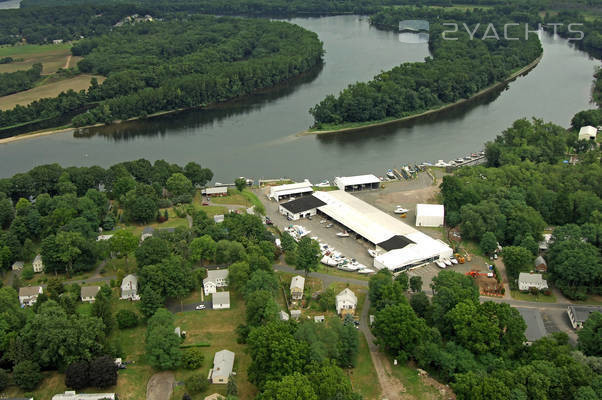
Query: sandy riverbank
x=371, y=125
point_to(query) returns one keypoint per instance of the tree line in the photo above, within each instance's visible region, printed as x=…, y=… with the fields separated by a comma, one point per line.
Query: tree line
x=457, y=69
x=13, y=82
x=478, y=348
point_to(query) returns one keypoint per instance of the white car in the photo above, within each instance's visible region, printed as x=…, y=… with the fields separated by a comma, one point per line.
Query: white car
x=200, y=307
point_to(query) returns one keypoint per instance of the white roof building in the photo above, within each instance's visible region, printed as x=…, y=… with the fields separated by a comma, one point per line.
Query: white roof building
x=291, y=189
x=430, y=215
x=129, y=287
x=527, y=280
x=346, y=302
x=221, y=300
x=71, y=395
x=358, y=182
x=404, y=246
x=223, y=363
x=587, y=133
x=215, y=279
x=216, y=191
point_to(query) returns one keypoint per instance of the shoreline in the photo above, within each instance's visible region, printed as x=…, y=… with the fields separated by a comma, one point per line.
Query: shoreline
x=369, y=125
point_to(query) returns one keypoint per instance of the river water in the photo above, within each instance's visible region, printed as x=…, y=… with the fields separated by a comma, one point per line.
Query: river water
x=256, y=137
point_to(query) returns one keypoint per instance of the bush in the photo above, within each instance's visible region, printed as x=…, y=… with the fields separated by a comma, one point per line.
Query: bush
x=103, y=372
x=76, y=375
x=193, y=358
x=27, y=273
x=182, y=199
x=127, y=319
x=4, y=379
x=290, y=258
x=196, y=384
x=27, y=375
x=165, y=203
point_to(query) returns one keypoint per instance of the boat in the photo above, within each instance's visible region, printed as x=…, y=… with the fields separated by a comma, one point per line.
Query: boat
x=343, y=234
x=390, y=174
x=427, y=164
x=459, y=160
x=447, y=262
x=373, y=253
x=400, y=210
x=440, y=264
x=348, y=267
x=453, y=261
x=365, y=271
x=329, y=226
x=323, y=221
x=329, y=261
x=441, y=163
x=323, y=184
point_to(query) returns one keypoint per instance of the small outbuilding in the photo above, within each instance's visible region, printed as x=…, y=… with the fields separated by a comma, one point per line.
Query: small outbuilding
x=283, y=315
x=88, y=293
x=297, y=287
x=38, y=264
x=430, y=215
x=18, y=265
x=540, y=264
x=72, y=395
x=526, y=281
x=295, y=314
x=319, y=318
x=221, y=300
x=346, y=302
x=357, y=183
x=216, y=191
x=218, y=218
x=588, y=133
x=223, y=363
x=147, y=232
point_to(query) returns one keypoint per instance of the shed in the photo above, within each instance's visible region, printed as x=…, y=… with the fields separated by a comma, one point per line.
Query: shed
x=588, y=133
x=216, y=191
x=17, y=266
x=283, y=316
x=356, y=183
x=221, y=300
x=540, y=264
x=223, y=363
x=147, y=232
x=319, y=318
x=295, y=314
x=431, y=215
x=88, y=293
x=218, y=218
x=527, y=281
x=535, y=327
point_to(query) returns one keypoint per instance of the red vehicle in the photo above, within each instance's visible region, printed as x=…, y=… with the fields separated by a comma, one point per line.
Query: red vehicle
x=205, y=202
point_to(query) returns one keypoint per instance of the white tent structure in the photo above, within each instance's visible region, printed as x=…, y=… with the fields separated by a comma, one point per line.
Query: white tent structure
x=587, y=133
x=356, y=183
x=430, y=215
x=291, y=189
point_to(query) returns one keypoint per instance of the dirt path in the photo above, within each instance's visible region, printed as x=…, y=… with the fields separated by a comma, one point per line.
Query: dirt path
x=160, y=386
x=68, y=61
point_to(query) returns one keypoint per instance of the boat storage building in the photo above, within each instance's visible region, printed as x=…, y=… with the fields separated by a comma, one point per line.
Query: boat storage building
x=302, y=207
x=356, y=183
x=405, y=247
x=431, y=215
x=292, y=189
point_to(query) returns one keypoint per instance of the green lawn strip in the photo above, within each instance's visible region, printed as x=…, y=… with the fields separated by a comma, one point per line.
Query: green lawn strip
x=540, y=298
x=412, y=383
x=28, y=49
x=343, y=274
x=363, y=376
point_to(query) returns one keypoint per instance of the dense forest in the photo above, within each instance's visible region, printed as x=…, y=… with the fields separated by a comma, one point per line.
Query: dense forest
x=184, y=62
x=13, y=82
x=478, y=348
x=457, y=69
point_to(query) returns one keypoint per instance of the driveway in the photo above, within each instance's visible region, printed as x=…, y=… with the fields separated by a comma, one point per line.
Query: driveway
x=160, y=386
x=174, y=306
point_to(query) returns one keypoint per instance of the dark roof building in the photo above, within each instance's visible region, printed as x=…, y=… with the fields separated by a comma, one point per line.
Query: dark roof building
x=395, y=242
x=535, y=327
x=579, y=314
x=302, y=204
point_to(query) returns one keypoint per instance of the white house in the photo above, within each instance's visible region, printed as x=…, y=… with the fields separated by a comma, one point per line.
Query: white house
x=71, y=395
x=527, y=280
x=129, y=288
x=38, y=265
x=587, y=133
x=346, y=302
x=297, y=286
x=430, y=215
x=17, y=266
x=221, y=300
x=88, y=293
x=223, y=363
x=29, y=295
x=215, y=279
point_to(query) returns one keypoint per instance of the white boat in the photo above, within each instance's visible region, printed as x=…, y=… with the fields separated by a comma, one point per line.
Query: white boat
x=447, y=262
x=453, y=261
x=323, y=221
x=328, y=261
x=440, y=264
x=441, y=163
x=329, y=226
x=365, y=271
x=323, y=184
x=343, y=234
x=390, y=174
x=400, y=210
x=348, y=267
x=459, y=160
x=373, y=253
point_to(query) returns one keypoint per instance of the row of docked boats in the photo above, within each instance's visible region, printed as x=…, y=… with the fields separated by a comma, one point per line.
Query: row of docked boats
x=333, y=258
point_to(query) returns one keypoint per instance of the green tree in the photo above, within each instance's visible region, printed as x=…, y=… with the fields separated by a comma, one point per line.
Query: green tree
x=178, y=184
x=261, y=280
x=404, y=281
x=150, y=301
x=449, y=289
x=141, y=204
x=122, y=243
x=261, y=308
x=291, y=387
x=416, y=283
x=308, y=255
x=590, y=336
x=4, y=379
x=101, y=308
x=327, y=299
x=488, y=243
x=152, y=250
x=162, y=344
x=193, y=358
x=127, y=319
x=421, y=305
x=517, y=259
x=287, y=242
x=238, y=275
x=27, y=375
x=196, y=384
x=240, y=183
x=197, y=175
x=202, y=249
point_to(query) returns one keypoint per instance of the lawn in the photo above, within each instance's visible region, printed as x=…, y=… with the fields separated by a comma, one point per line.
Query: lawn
x=51, y=56
x=412, y=383
x=53, y=89
x=343, y=274
x=540, y=298
x=363, y=376
x=216, y=327
x=233, y=197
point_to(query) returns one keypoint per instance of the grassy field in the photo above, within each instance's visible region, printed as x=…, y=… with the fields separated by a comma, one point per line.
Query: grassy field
x=233, y=197
x=77, y=83
x=540, y=298
x=51, y=56
x=363, y=376
x=413, y=384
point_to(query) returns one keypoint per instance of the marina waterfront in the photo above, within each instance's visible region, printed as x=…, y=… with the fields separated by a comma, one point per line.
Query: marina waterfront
x=257, y=136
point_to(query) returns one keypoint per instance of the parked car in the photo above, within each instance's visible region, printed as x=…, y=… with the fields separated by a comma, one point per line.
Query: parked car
x=200, y=307
x=205, y=202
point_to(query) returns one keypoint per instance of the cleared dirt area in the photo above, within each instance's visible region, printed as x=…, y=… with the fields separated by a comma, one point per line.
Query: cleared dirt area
x=49, y=90
x=52, y=57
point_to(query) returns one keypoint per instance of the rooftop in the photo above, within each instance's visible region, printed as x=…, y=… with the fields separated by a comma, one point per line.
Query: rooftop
x=356, y=180
x=530, y=278
x=582, y=313
x=436, y=210
x=221, y=298
x=297, y=282
x=89, y=291
x=347, y=294
x=223, y=362
x=302, y=204
x=535, y=327
x=28, y=291
x=395, y=242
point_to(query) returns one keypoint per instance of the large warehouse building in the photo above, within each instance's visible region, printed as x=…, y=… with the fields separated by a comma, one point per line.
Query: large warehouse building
x=292, y=189
x=356, y=183
x=404, y=247
x=430, y=215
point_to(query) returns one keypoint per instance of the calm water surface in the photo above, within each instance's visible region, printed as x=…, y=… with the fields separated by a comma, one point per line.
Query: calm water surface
x=256, y=137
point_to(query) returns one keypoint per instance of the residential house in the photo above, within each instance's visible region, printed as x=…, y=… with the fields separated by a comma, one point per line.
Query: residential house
x=221, y=300
x=223, y=362
x=283, y=316
x=17, y=266
x=540, y=264
x=295, y=314
x=587, y=133
x=579, y=314
x=216, y=278
x=535, y=327
x=71, y=395
x=527, y=280
x=28, y=295
x=297, y=286
x=129, y=288
x=38, y=265
x=88, y=293
x=346, y=302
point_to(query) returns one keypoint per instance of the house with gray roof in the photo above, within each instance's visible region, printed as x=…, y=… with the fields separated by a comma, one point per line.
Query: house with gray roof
x=28, y=295
x=579, y=314
x=540, y=264
x=535, y=327
x=223, y=363
x=17, y=266
x=220, y=300
x=88, y=293
x=527, y=280
x=216, y=278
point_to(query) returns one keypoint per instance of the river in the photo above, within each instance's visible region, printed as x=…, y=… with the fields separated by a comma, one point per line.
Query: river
x=256, y=137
